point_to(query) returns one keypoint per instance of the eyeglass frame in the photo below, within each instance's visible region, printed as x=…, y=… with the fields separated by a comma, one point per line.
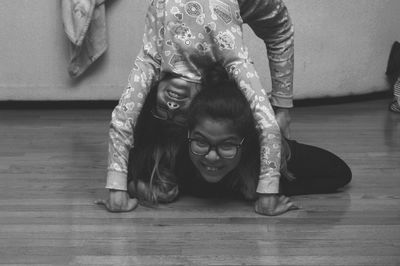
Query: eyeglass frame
x=215, y=147
x=168, y=119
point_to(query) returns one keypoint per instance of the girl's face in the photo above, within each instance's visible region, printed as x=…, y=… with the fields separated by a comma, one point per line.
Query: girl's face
x=212, y=166
x=174, y=96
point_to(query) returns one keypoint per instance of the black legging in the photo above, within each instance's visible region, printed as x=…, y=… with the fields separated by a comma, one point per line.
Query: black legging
x=316, y=171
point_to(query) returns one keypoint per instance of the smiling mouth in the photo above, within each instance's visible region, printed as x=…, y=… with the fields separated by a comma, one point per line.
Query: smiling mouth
x=176, y=96
x=211, y=169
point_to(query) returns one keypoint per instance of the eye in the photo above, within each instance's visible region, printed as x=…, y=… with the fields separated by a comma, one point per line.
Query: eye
x=227, y=146
x=201, y=143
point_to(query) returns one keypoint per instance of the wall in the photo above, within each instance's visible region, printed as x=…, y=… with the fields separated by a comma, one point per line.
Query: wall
x=341, y=46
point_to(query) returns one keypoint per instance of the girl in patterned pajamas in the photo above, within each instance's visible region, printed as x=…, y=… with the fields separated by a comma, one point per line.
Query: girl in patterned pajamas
x=183, y=38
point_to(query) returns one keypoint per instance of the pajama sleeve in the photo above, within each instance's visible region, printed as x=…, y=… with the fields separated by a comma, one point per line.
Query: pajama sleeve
x=145, y=72
x=270, y=21
x=270, y=138
x=232, y=53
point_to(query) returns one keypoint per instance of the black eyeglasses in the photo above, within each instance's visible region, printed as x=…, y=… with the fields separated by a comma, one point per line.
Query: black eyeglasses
x=164, y=115
x=226, y=150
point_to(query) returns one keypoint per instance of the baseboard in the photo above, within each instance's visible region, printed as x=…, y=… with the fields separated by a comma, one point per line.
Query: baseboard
x=344, y=99
x=103, y=104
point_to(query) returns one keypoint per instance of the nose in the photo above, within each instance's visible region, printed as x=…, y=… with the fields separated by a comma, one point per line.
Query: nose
x=212, y=155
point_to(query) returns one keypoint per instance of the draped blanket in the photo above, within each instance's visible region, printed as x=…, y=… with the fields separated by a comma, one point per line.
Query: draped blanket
x=85, y=26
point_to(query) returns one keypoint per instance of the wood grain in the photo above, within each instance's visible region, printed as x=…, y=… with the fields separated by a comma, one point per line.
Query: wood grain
x=53, y=166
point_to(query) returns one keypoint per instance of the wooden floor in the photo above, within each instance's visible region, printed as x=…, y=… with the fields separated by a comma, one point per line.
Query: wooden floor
x=53, y=165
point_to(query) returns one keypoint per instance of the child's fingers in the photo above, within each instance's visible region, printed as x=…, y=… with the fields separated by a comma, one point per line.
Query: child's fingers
x=129, y=206
x=291, y=206
x=132, y=204
x=105, y=203
x=288, y=202
x=284, y=199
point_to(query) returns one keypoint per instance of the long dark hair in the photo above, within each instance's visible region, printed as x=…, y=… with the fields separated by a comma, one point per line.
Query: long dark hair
x=221, y=99
x=153, y=159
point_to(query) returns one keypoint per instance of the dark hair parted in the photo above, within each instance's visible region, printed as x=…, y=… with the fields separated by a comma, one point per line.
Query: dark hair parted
x=220, y=99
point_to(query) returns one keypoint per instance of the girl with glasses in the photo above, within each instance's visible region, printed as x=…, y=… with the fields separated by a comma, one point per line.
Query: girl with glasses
x=220, y=156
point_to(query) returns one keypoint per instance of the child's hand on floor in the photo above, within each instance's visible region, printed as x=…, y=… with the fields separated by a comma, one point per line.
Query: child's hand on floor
x=118, y=201
x=274, y=204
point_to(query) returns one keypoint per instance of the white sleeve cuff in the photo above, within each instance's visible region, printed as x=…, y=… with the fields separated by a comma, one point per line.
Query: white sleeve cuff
x=116, y=180
x=268, y=185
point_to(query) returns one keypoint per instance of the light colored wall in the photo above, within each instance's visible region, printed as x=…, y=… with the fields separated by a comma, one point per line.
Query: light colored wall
x=342, y=48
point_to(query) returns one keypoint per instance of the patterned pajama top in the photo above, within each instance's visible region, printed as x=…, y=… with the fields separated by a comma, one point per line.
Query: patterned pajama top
x=185, y=37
